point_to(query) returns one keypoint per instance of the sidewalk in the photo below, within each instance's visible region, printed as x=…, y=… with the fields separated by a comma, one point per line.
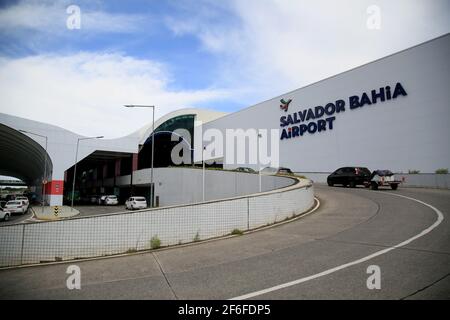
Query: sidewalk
x=51, y=213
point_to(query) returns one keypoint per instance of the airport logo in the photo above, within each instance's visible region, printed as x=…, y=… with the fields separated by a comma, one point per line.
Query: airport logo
x=321, y=118
x=285, y=104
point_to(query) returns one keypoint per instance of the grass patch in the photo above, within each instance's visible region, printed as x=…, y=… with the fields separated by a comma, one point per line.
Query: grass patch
x=442, y=171
x=237, y=232
x=155, y=243
x=197, y=237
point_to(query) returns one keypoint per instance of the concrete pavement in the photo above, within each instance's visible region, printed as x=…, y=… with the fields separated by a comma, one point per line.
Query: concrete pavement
x=350, y=224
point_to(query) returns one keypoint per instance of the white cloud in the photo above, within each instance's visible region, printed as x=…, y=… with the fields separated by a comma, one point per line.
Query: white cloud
x=279, y=45
x=85, y=92
x=51, y=16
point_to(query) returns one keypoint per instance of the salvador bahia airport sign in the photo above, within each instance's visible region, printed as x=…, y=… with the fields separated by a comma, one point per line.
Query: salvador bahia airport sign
x=298, y=123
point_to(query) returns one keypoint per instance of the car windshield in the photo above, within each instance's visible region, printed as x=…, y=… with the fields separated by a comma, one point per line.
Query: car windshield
x=14, y=203
x=112, y=197
x=139, y=199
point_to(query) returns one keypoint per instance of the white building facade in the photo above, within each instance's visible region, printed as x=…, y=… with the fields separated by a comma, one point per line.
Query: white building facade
x=392, y=113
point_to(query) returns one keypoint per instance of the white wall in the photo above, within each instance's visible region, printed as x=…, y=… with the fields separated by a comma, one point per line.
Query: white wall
x=426, y=180
x=119, y=233
x=184, y=185
x=409, y=132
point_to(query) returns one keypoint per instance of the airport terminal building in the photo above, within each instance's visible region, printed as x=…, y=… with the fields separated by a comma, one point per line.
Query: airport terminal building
x=392, y=113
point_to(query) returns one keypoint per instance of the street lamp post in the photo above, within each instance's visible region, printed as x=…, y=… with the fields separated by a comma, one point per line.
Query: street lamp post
x=259, y=163
x=153, y=146
x=203, y=174
x=45, y=165
x=75, y=166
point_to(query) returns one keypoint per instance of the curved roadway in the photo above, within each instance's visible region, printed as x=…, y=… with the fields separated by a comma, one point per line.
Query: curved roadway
x=324, y=255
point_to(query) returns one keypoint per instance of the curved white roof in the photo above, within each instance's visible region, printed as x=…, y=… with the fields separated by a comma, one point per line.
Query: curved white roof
x=200, y=115
x=62, y=142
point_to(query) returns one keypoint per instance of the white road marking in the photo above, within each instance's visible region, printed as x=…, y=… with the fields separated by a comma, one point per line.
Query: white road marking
x=332, y=270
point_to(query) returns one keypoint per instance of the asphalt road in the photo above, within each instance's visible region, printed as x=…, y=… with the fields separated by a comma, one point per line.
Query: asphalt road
x=92, y=210
x=18, y=218
x=328, y=252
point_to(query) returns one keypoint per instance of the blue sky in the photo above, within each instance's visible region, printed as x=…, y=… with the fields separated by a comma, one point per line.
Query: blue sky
x=213, y=54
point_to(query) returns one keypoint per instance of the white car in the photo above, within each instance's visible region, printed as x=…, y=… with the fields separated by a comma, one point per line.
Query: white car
x=101, y=200
x=136, y=203
x=111, y=200
x=4, y=214
x=16, y=206
x=23, y=198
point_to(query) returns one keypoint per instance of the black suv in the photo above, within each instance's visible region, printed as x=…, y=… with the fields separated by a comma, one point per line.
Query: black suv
x=349, y=176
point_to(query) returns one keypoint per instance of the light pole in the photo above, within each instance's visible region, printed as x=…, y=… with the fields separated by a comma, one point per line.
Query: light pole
x=203, y=174
x=153, y=146
x=259, y=163
x=75, y=167
x=45, y=165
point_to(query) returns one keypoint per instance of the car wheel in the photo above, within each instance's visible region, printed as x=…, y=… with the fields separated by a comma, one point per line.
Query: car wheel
x=374, y=186
x=6, y=217
x=394, y=186
x=352, y=184
x=330, y=184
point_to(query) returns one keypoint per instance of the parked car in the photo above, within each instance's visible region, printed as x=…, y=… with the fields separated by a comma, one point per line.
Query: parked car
x=380, y=178
x=10, y=197
x=4, y=214
x=17, y=206
x=111, y=200
x=273, y=171
x=349, y=176
x=244, y=169
x=93, y=199
x=136, y=203
x=23, y=198
x=101, y=199
x=283, y=170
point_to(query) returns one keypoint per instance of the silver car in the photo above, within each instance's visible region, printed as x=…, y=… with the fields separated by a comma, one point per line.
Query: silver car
x=17, y=206
x=111, y=200
x=4, y=214
x=136, y=203
x=23, y=198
